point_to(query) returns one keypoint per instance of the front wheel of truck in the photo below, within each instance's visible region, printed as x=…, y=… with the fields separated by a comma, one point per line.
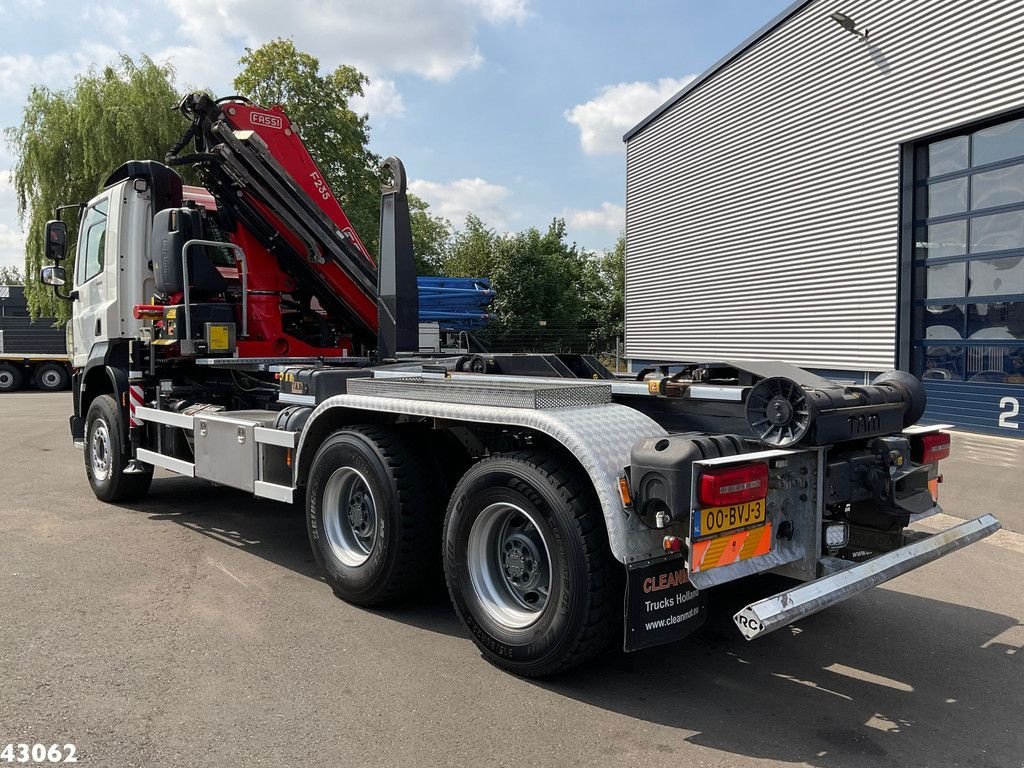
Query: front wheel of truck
x=106, y=460
x=528, y=566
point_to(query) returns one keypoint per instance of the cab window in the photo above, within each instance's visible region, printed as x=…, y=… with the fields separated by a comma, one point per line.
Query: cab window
x=94, y=238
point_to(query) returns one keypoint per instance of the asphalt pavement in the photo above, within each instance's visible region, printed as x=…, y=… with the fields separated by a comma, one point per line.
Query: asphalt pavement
x=192, y=629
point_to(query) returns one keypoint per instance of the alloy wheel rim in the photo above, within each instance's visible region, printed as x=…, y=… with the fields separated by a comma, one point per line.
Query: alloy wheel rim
x=509, y=565
x=99, y=451
x=351, y=521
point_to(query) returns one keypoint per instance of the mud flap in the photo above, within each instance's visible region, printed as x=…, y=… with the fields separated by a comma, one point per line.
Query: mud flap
x=661, y=605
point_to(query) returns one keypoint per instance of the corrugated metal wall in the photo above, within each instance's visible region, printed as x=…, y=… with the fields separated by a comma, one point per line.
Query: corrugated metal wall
x=762, y=210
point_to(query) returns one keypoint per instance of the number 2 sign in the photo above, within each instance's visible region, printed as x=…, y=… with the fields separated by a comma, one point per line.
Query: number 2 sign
x=1009, y=408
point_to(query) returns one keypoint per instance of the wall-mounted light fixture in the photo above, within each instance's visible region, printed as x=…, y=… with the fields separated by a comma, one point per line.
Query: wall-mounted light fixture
x=848, y=24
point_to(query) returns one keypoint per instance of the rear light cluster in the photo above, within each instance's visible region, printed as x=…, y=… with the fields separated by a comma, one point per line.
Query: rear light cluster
x=932, y=447
x=729, y=486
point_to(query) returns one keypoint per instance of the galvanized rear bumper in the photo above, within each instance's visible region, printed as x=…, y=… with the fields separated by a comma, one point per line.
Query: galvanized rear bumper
x=767, y=615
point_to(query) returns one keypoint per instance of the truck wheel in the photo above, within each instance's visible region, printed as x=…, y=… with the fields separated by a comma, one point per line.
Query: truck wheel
x=10, y=378
x=105, y=459
x=51, y=377
x=369, y=515
x=528, y=566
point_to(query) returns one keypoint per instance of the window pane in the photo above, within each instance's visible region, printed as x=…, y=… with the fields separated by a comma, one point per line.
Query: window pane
x=938, y=240
x=94, y=249
x=947, y=156
x=996, y=277
x=1000, y=142
x=941, y=362
x=94, y=227
x=998, y=232
x=947, y=197
x=1003, y=186
x=996, y=320
x=946, y=281
x=995, y=364
x=943, y=321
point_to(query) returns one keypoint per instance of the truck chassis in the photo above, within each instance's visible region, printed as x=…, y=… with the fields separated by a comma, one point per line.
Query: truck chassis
x=227, y=333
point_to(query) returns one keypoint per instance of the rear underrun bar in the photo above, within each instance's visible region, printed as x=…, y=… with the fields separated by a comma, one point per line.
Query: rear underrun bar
x=767, y=615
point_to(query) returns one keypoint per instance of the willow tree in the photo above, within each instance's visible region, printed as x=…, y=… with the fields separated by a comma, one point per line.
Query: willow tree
x=70, y=140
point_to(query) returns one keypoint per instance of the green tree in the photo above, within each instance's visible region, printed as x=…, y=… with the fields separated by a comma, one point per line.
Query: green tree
x=318, y=105
x=11, y=275
x=431, y=237
x=551, y=294
x=69, y=141
x=612, y=267
x=472, y=251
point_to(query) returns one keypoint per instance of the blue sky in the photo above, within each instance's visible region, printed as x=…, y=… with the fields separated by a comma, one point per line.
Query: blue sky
x=513, y=109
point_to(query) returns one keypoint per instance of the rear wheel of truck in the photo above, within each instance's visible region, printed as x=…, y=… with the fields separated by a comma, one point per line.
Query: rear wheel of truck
x=51, y=377
x=106, y=461
x=10, y=378
x=369, y=514
x=528, y=566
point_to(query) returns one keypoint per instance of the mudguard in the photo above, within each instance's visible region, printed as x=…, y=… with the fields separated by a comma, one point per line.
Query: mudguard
x=599, y=436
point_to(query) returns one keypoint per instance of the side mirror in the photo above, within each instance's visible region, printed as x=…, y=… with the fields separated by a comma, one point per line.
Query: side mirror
x=56, y=240
x=55, y=276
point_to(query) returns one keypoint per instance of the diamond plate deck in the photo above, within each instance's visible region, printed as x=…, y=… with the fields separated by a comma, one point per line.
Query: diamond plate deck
x=505, y=394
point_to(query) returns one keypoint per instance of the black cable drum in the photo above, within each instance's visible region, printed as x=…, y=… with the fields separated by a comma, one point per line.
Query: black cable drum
x=781, y=413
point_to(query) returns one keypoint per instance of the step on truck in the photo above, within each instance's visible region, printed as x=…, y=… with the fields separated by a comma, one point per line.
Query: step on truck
x=239, y=332
x=32, y=352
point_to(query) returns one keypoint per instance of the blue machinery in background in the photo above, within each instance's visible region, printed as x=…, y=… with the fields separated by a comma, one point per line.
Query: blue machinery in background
x=456, y=303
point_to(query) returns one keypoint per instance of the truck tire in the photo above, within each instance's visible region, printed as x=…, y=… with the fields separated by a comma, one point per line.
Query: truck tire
x=528, y=566
x=10, y=378
x=51, y=377
x=370, y=516
x=105, y=457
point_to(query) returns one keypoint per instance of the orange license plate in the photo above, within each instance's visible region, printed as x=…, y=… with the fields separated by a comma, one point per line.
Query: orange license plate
x=730, y=548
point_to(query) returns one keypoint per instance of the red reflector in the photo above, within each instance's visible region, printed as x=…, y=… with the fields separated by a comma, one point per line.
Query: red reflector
x=727, y=486
x=934, y=446
x=147, y=311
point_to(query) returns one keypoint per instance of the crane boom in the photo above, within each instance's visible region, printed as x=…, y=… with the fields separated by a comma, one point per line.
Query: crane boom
x=273, y=202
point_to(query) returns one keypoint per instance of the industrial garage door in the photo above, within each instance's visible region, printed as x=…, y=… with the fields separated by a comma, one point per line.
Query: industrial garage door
x=967, y=276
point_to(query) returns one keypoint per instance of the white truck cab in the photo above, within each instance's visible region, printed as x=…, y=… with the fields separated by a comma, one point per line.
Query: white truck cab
x=112, y=272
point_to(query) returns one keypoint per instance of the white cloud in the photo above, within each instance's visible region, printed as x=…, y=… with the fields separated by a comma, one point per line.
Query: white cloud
x=12, y=247
x=498, y=11
x=12, y=241
x=112, y=24
x=196, y=67
x=435, y=39
x=455, y=199
x=604, y=119
x=381, y=99
x=30, y=8
x=609, y=216
x=56, y=70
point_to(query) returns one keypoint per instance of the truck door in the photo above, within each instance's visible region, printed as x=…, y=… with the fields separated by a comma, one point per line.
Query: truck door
x=97, y=287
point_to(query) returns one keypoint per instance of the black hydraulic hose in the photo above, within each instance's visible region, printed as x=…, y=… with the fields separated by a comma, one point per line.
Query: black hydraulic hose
x=234, y=97
x=170, y=157
x=196, y=157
